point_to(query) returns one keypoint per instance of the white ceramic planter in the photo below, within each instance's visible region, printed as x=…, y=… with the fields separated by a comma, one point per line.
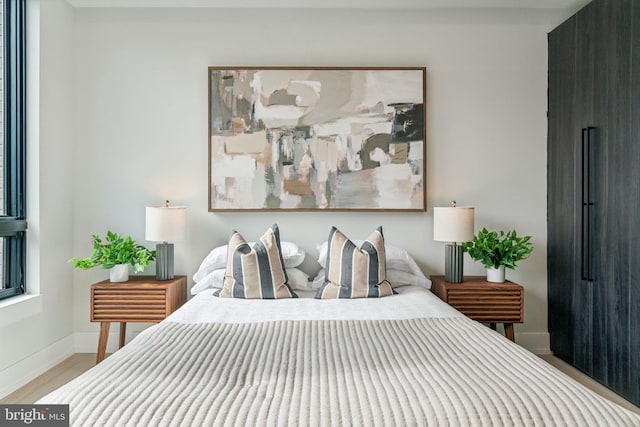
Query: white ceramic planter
x=495, y=275
x=119, y=273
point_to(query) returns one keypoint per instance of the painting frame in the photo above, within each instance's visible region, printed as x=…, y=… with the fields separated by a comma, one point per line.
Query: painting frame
x=288, y=114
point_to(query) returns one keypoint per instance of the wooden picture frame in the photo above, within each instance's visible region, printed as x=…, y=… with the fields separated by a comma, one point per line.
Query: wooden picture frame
x=317, y=139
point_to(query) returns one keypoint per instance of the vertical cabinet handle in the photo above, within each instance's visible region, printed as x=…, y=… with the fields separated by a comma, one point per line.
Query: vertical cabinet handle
x=587, y=203
x=584, y=231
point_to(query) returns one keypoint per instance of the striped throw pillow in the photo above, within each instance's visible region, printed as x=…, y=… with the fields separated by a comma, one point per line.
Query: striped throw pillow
x=353, y=272
x=256, y=272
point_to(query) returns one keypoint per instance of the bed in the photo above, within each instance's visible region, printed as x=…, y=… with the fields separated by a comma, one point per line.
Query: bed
x=366, y=344
x=403, y=360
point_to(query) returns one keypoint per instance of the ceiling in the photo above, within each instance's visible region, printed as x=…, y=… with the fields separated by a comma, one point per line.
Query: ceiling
x=572, y=5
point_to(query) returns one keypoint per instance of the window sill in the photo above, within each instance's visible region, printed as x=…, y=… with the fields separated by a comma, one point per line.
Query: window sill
x=19, y=307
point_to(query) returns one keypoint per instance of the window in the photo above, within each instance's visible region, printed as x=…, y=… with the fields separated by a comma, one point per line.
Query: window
x=13, y=224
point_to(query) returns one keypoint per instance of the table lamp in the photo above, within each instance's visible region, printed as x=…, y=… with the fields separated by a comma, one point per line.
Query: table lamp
x=165, y=224
x=453, y=225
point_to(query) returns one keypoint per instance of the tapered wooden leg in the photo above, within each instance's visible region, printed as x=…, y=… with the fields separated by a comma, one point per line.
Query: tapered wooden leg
x=492, y=326
x=508, y=331
x=123, y=333
x=102, y=342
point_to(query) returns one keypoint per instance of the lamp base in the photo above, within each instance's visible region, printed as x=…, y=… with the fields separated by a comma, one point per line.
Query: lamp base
x=453, y=263
x=164, y=261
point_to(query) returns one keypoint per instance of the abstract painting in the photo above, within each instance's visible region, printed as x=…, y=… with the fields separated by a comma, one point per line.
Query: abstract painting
x=317, y=139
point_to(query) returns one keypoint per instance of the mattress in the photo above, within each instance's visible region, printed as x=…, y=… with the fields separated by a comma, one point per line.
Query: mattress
x=407, y=360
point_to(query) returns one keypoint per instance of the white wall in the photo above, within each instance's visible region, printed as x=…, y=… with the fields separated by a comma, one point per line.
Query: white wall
x=140, y=120
x=42, y=339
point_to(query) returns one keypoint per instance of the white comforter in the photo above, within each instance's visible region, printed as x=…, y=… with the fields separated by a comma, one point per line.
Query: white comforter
x=403, y=360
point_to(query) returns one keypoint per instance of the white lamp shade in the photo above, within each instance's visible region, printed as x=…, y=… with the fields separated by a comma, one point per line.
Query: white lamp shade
x=165, y=224
x=453, y=224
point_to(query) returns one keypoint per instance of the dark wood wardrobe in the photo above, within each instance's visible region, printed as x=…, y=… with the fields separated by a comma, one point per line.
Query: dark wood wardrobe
x=594, y=193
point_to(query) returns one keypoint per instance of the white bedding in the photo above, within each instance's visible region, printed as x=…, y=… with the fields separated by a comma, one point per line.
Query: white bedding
x=412, y=302
x=407, y=359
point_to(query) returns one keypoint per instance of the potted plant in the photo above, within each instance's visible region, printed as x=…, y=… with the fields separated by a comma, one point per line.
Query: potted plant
x=497, y=250
x=116, y=254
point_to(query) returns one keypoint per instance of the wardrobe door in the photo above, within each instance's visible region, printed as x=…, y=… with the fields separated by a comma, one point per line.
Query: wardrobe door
x=634, y=213
x=611, y=216
x=585, y=179
x=562, y=172
x=594, y=193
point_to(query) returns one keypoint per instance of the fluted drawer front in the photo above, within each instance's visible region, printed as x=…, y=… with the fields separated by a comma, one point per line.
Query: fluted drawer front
x=130, y=305
x=490, y=305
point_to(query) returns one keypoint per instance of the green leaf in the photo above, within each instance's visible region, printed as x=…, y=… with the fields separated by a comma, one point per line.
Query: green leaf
x=494, y=249
x=115, y=250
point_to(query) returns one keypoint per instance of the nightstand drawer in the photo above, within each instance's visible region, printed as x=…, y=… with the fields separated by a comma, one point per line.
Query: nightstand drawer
x=110, y=305
x=481, y=300
x=141, y=299
x=490, y=305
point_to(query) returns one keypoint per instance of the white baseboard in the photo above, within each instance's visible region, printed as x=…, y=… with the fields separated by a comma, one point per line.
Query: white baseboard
x=87, y=342
x=535, y=342
x=20, y=373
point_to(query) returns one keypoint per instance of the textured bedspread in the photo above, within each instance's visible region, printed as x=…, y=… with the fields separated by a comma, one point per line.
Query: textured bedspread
x=435, y=372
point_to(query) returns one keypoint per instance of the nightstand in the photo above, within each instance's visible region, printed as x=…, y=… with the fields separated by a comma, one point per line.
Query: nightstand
x=484, y=301
x=141, y=299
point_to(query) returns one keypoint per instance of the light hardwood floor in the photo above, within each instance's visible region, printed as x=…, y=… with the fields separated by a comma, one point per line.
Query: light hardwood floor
x=80, y=362
x=588, y=382
x=52, y=379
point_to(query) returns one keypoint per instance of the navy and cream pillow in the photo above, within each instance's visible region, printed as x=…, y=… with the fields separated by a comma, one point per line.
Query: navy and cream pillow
x=258, y=272
x=355, y=272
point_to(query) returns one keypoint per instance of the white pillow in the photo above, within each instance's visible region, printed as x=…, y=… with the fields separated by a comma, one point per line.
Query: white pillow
x=397, y=259
x=292, y=254
x=397, y=278
x=214, y=280
x=403, y=277
x=298, y=279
